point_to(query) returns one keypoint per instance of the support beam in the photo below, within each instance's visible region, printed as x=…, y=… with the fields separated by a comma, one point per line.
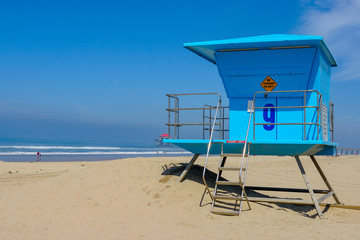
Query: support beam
x=281, y=200
x=323, y=198
x=186, y=170
x=281, y=189
x=300, y=202
x=325, y=179
x=307, y=183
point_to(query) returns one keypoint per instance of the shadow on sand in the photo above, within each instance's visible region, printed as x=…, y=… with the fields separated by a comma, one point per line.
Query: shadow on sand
x=195, y=175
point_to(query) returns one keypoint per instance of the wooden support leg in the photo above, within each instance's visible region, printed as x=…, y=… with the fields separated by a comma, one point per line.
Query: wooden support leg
x=186, y=170
x=325, y=179
x=307, y=183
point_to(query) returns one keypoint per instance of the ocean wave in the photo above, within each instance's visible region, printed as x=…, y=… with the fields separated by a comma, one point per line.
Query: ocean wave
x=95, y=153
x=61, y=147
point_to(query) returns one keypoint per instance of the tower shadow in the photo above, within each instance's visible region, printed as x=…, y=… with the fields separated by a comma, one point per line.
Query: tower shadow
x=195, y=175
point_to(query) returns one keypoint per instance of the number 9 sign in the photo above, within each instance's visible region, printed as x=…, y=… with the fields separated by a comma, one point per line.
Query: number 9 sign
x=269, y=116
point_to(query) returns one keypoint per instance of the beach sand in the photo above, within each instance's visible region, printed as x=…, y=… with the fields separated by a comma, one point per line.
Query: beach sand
x=140, y=198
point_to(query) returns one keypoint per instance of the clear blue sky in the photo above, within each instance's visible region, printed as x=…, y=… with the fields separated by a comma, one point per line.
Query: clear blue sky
x=99, y=70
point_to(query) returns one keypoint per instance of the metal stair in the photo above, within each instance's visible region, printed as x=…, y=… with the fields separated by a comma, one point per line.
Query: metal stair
x=229, y=195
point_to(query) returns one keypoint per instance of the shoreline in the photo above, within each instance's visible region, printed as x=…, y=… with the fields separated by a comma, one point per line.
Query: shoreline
x=83, y=157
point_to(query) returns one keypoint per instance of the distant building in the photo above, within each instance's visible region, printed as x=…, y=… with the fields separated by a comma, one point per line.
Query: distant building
x=159, y=141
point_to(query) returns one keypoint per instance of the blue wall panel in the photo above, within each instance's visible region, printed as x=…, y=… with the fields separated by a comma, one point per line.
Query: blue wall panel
x=290, y=115
x=243, y=71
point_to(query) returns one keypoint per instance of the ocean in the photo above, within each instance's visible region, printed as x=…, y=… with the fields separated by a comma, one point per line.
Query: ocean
x=61, y=151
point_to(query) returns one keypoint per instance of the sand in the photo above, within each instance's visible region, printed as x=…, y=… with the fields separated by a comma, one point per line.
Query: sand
x=140, y=198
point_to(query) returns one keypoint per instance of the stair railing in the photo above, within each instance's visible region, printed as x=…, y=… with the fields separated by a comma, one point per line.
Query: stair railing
x=246, y=147
x=208, y=149
x=245, y=143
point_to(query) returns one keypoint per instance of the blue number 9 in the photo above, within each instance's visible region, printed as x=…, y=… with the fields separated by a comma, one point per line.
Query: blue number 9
x=267, y=118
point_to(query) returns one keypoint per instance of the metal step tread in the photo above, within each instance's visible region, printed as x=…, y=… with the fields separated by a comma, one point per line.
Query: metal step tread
x=228, y=183
x=231, y=169
x=228, y=197
x=229, y=213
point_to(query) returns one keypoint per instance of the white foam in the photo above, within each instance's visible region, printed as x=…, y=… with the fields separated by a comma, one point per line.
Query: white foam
x=93, y=153
x=61, y=147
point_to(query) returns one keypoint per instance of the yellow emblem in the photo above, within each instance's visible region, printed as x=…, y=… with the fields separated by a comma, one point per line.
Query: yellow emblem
x=268, y=84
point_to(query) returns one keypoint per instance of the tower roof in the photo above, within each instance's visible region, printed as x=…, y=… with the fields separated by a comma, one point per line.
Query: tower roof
x=208, y=49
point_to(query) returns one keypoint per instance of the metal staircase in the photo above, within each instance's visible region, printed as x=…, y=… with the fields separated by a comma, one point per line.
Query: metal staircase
x=229, y=195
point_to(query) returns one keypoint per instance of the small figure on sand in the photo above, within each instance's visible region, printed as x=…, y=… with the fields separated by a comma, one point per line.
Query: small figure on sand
x=38, y=157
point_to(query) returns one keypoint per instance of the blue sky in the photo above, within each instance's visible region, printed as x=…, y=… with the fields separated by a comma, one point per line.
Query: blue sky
x=98, y=71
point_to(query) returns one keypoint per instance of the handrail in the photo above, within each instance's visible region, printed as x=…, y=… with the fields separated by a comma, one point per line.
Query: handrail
x=318, y=108
x=189, y=94
x=174, y=111
x=289, y=91
x=208, y=150
x=245, y=144
x=243, y=193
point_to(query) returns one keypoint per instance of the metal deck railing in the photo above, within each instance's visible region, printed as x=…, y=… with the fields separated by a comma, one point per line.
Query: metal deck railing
x=207, y=120
x=174, y=110
x=318, y=107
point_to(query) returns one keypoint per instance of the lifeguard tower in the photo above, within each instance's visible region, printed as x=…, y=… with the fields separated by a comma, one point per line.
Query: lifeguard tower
x=279, y=104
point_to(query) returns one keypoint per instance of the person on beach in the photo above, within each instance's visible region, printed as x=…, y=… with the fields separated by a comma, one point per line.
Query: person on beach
x=38, y=157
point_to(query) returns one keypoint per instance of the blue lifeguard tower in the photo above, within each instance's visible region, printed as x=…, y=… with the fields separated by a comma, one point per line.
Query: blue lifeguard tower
x=279, y=104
